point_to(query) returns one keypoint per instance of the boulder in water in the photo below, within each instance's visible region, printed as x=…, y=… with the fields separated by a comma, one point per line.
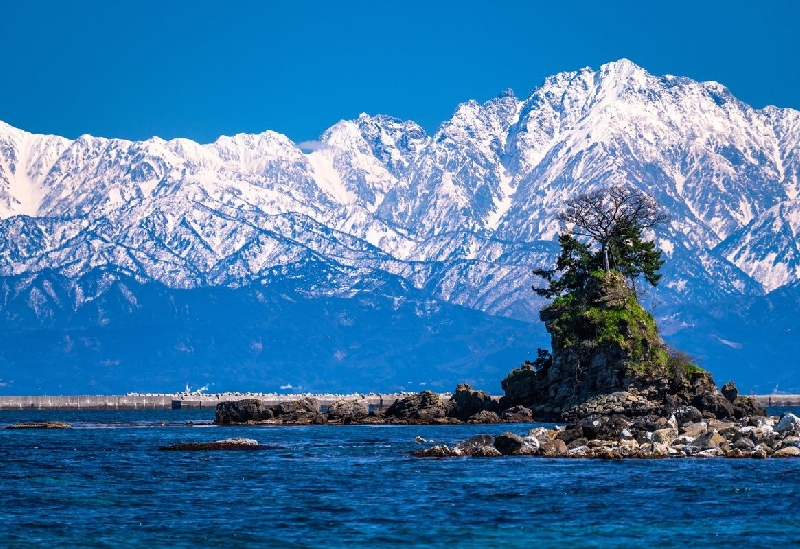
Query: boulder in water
x=225, y=444
x=303, y=411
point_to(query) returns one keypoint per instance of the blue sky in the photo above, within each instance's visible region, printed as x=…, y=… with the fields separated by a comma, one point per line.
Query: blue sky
x=201, y=69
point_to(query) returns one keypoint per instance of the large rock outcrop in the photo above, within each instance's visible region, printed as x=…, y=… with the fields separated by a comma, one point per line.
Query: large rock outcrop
x=425, y=407
x=348, y=411
x=608, y=358
x=467, y=404
x=298, y=412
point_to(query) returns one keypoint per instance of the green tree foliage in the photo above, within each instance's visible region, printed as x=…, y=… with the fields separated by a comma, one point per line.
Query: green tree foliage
x=612, y=219
x=543, y=359
x=573, y=268
x=633, y=256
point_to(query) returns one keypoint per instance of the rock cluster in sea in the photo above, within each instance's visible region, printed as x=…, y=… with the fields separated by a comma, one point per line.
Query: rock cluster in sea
x=466, y=405
x=617, y=437
x=610, y=378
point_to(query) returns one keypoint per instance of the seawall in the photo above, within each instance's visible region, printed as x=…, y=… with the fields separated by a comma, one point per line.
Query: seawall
x=778, y=400
x=187, y=400
x=176, y=401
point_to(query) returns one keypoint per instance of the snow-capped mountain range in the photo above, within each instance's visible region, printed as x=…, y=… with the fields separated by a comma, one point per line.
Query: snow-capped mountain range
x=460, y=217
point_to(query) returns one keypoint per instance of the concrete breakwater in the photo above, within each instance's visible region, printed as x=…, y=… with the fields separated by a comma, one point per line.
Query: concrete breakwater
x=136, y=401
x=778, y=400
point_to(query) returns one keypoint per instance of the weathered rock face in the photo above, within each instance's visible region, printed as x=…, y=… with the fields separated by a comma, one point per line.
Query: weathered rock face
x=747, y=407
x=241, y=411
x=465, y=406
x=517, y=414
x=348, y=411
x=608, y=358
x=467, y=402
x=508, y=443
x=730, y=391
x=305, y=410
x=424, y=407
x=301, y=412
x=603, y=343
x=789, y=423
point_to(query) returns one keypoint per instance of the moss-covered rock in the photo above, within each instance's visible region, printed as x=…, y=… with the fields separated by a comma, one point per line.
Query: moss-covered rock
x=608, y=357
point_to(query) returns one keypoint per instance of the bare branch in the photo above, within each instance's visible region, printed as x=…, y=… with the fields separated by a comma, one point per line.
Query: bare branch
x=606, y=213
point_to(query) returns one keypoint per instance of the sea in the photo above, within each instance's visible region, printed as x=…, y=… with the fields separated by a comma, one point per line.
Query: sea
x=105, y=483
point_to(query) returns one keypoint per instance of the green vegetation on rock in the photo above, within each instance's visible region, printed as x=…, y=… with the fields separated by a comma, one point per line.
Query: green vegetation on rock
x=605, y=315
x=613, y=219
x=603, y=341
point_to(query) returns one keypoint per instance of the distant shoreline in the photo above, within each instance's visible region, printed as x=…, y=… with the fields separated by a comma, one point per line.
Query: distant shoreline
x=174, y=401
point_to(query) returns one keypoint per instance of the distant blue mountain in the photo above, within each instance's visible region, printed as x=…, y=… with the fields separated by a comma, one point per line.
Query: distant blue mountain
x=150, y=338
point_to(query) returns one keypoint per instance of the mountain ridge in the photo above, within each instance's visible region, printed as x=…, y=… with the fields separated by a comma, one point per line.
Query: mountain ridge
x=462, y=215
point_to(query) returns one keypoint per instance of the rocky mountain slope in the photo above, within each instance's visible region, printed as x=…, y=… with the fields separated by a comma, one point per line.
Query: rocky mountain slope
x=460, y=217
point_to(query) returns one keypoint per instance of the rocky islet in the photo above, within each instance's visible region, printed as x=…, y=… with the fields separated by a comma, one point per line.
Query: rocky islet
x=612, y=381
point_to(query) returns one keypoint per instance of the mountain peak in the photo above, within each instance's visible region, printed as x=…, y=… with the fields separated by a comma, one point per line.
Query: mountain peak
x=621, y=66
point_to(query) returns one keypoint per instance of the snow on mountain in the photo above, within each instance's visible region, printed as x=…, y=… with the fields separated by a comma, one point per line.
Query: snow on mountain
x=463, y=215
x=768, y=249
x=395, y=143
x=25, y=160
x=458, y=181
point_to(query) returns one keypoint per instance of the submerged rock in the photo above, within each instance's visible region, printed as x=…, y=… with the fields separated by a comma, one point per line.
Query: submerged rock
x=225, y=444
x=439, y=451
x=40, y=425
x=471, y=445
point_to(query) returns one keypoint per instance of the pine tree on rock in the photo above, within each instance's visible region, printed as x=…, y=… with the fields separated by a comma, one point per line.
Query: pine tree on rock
x=613, y=219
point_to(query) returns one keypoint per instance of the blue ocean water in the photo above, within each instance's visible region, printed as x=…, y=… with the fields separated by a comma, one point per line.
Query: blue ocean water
x=104, y=483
